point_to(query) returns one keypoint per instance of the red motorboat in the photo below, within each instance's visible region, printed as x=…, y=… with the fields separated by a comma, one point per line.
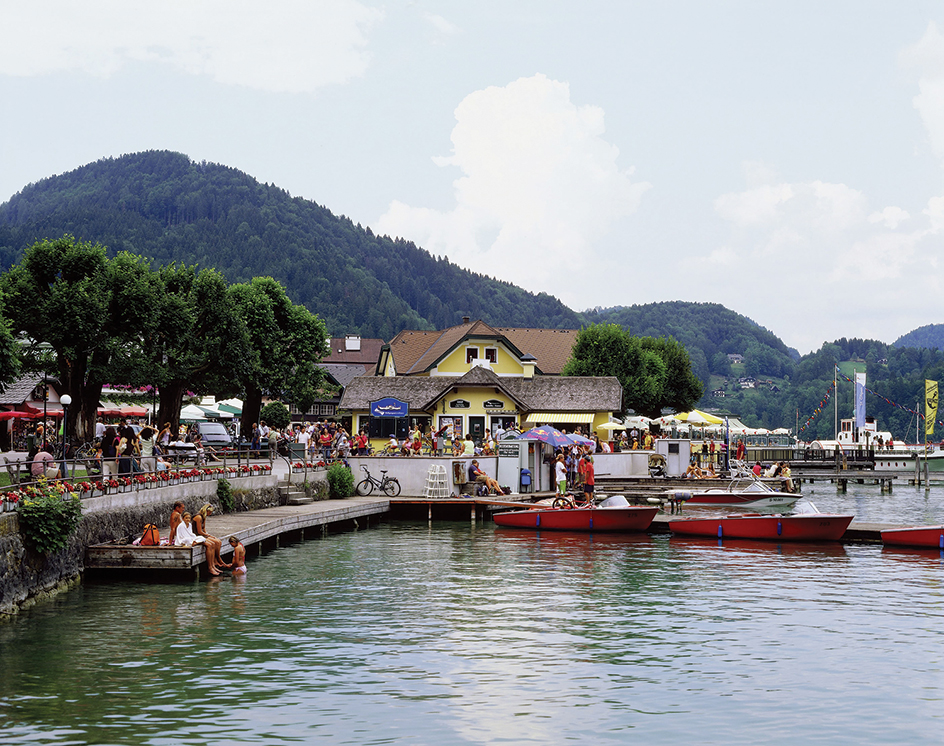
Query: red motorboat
x=916, y=536
x=802, y=527
x=613, y=514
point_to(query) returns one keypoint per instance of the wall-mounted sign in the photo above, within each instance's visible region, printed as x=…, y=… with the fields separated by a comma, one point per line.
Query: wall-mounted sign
x=494, y=404
x=509, y=449
x=389, y=407
x=459, y=404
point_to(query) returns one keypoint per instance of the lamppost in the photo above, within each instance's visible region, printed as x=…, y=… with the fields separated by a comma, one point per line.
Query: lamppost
x=66, y=400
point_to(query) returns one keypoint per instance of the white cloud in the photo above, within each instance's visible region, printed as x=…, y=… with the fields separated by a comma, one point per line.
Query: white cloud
x=285, y=45
x=539, y=186
x=890, y=217
x=927, y=56
x=440, y=24
x=816, y=248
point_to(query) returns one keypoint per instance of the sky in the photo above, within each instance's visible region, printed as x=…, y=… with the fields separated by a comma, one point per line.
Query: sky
x=783, y=159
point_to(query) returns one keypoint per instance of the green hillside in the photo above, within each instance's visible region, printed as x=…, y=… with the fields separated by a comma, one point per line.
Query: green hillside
x=930, y=336
x=164, y=206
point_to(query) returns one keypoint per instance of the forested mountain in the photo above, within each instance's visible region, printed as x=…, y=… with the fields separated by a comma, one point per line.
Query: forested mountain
x=164, y=206
x=930, y=336
x=709, y=332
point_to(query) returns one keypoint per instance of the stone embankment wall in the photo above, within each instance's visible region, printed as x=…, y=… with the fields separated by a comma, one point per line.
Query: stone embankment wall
x=27, y=577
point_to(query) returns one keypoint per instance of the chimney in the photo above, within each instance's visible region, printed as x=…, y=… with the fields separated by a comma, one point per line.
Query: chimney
x=465, y=319
x=528, y=361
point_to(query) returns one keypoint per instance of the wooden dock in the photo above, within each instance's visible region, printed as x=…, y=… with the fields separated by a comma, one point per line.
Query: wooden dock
x=256, y=529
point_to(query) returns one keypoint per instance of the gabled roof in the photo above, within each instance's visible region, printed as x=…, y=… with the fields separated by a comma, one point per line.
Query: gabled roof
x=541, y=393
x=366, y=356
x=552, y=347
x=21, y=389
x=418, y=351
x=475, y=377
x=342, y=374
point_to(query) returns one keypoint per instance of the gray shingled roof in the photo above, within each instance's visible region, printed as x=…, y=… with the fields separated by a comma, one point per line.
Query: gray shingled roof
x=541, y=393
x=19, y=391
x=343, y=373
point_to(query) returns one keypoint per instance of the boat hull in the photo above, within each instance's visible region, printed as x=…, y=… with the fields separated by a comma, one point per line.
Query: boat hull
x=580, y=519
x=813, y=527
x=916, y=536
x=935, y=461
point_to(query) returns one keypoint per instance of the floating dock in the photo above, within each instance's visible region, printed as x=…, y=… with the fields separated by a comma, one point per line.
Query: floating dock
x=257, y=530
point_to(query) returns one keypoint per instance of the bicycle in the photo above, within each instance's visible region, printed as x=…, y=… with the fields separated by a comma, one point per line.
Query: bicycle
x=390, y=486
x=572, y=500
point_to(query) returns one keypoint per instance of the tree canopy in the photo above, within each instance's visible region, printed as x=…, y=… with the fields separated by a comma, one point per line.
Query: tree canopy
x=643, y=367
x=118, y=321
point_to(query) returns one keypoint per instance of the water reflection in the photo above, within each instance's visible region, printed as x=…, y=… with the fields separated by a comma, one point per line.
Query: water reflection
x=407, y=633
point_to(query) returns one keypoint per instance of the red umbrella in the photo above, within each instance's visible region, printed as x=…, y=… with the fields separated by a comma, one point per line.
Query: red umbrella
x=19, y=415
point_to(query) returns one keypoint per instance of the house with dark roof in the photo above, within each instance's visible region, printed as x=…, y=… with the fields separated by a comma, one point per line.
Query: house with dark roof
x=473, y=377
x=348, y=357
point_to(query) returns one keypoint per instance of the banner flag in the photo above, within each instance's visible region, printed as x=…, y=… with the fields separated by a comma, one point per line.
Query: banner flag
x=930, y=406
x=860, y=400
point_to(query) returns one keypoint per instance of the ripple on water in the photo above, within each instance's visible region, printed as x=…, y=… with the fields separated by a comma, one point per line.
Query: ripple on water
x=407, y=633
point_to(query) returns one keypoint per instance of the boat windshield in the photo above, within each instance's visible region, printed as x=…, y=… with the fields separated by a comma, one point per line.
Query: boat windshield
x=614, y=501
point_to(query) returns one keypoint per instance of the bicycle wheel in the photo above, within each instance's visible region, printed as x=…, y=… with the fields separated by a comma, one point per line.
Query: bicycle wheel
x=364, y=487
x=391, y=488
x=561, y=502
x=87, y=450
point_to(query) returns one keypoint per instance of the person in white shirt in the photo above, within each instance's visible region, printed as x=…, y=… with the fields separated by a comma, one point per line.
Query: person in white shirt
x=185, y=537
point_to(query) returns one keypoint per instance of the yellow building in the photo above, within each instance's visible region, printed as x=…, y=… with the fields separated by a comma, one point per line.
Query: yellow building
x=473, y=377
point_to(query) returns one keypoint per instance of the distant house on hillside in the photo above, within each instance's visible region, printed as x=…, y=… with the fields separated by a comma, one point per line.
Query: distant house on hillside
x=719, y=393
x=735, y=357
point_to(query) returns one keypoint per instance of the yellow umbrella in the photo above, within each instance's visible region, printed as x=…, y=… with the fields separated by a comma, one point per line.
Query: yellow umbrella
x=697, y=417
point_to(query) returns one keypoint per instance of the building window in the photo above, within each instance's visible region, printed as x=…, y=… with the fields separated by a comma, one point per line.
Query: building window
x=491, y=354
x=471, y=353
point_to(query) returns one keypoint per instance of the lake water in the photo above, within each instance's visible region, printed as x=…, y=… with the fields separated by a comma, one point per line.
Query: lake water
x=450, y=634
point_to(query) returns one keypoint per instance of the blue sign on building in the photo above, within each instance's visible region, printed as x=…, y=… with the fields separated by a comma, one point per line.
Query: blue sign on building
x=389, y=407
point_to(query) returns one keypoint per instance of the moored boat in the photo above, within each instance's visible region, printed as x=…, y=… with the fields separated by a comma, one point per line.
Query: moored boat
x=614, y=514
x=803, y=527
x=743, y=491
x=914, y=536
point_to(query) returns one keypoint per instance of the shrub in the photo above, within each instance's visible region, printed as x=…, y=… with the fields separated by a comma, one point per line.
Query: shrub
x=340, y=481
x=275, y=414
x=224, y=493
x=48, y=519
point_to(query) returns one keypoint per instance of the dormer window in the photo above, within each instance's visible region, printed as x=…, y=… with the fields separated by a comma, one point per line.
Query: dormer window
x=491, y=354
x=471, y=353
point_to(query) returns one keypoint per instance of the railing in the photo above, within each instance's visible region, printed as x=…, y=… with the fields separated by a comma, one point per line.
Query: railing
x=23, y=483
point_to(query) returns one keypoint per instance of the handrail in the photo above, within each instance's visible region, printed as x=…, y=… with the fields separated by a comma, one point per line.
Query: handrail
x=25, y=478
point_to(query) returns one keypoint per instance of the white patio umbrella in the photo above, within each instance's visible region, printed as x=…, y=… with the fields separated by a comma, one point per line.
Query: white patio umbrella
x=611, y=426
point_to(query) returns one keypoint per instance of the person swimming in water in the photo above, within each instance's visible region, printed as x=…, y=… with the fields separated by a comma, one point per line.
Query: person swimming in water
x=238, y=564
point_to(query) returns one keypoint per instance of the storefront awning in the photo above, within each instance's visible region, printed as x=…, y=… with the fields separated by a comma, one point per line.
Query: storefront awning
x=560, y=417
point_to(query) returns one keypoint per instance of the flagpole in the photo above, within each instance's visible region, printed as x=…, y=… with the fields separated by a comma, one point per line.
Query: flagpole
x=835, y=403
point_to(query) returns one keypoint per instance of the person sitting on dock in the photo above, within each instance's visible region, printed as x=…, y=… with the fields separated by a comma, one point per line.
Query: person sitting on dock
x=238, y=564
x=175, y=515
x=184, y=537
x=213, y=545
x=785, y=476
x=479, y=476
